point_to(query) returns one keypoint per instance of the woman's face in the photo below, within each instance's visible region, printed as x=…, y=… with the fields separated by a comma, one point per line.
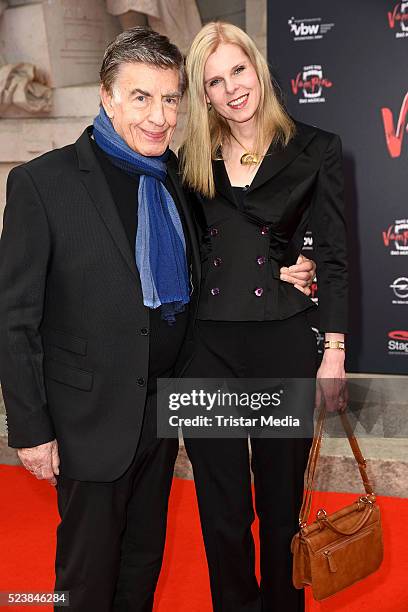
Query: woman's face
x=231, y=83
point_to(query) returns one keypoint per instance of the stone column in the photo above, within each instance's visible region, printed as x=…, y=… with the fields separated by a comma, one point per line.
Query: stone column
x=256, y=22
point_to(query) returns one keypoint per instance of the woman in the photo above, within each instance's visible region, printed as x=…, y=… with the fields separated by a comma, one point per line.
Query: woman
x=258, y=180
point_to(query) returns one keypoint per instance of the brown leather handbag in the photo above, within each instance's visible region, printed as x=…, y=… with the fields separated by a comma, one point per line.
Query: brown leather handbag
x=338, y=549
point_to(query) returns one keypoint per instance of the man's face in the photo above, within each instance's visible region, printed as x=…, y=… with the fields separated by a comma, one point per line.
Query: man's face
x=143, y=106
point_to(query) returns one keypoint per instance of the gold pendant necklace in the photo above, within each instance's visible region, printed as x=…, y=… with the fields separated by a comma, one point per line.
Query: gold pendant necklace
x=247, y=159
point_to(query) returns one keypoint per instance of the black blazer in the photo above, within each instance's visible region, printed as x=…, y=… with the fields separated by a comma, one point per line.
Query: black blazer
x=243, y=245
x=74, y=344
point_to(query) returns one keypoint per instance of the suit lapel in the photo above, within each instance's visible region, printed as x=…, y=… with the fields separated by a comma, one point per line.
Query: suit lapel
x=97, y=187
x=222, y=181
x=277, y=160
x=274, y=161
x=172, y=169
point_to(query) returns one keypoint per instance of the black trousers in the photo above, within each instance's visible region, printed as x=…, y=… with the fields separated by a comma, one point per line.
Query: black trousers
x=111, y=537
x=266, y=349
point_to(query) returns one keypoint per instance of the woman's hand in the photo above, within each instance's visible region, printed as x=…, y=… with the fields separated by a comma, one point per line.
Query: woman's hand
x=331, y=381
x=301, y=274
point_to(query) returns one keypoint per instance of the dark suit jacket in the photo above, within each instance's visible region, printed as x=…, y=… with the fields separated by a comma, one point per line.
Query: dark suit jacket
x=244, y=245
x=74, y=344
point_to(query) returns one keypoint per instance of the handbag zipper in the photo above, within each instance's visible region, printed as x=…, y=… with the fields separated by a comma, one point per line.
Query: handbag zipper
x=329, y=549
x=331, y=561
x=355, y=536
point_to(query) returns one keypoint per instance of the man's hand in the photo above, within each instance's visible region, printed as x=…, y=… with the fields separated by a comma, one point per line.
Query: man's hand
x=42, y=461
x=301, y=274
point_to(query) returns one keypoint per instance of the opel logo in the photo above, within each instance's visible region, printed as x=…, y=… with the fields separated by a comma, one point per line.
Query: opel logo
x=400, y=287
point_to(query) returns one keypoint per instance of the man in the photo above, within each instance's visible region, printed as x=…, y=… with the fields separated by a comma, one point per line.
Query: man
x=97, y=260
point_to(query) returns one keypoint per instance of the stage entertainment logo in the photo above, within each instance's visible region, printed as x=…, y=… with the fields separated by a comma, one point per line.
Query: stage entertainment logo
x=398, y=342
x=311, y=83
x=308, y=29
x=395, y=237
x=398, y=19
x=394, y=135
x=400, y=289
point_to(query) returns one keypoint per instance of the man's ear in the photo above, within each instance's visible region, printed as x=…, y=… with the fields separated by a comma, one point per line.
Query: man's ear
x=107, y=101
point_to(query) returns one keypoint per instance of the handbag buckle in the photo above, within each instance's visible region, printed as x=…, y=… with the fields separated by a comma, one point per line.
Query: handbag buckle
x=365, y=500
x=321, y=514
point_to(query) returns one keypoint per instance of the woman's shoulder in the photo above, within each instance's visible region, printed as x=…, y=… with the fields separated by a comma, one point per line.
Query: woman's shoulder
x=319, y=135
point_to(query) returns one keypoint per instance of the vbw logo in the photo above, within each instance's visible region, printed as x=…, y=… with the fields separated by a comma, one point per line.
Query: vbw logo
x=302, y=29
x=308, y=29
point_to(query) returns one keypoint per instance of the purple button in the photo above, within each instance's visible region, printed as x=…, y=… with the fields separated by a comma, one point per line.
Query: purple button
x=258, y=291
x=217, y=261
x=215, y=291
x=261, y=260
x=264, y=230
x=213, y=231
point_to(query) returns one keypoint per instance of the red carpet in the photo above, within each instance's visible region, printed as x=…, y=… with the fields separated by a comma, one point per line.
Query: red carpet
x=28, y=518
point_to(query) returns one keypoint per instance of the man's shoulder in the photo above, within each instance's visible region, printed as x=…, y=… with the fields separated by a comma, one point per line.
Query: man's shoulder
x=58, y=163
x=49, y=170
x=51, y=162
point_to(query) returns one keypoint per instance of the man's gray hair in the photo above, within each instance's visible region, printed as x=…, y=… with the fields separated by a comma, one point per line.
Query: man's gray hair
x=143, y=45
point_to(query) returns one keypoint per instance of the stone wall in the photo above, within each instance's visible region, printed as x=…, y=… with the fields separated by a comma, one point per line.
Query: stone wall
x=232, y=11
x=256, y=22
x=23, y=137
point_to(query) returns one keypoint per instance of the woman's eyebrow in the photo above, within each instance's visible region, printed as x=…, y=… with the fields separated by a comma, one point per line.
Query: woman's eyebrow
x=232, y=70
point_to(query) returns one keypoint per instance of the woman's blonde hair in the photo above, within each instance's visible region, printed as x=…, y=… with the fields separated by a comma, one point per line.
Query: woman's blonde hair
x=206, y=130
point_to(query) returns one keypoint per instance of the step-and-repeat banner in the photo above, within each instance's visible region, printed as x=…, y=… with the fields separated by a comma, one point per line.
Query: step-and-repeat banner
x=343, y=67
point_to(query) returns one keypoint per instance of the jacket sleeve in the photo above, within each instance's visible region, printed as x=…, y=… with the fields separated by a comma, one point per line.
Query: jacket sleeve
x=330, y=241
x=24, y=255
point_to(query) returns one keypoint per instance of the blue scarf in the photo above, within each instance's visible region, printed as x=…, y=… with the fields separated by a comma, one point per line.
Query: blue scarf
x=160, y=249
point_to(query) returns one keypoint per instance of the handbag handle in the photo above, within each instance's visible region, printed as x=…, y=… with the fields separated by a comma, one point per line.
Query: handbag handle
x=366, y=515
x=312, y=463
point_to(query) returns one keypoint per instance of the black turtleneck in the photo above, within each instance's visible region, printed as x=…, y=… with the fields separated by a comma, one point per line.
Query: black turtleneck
x=165, y=339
